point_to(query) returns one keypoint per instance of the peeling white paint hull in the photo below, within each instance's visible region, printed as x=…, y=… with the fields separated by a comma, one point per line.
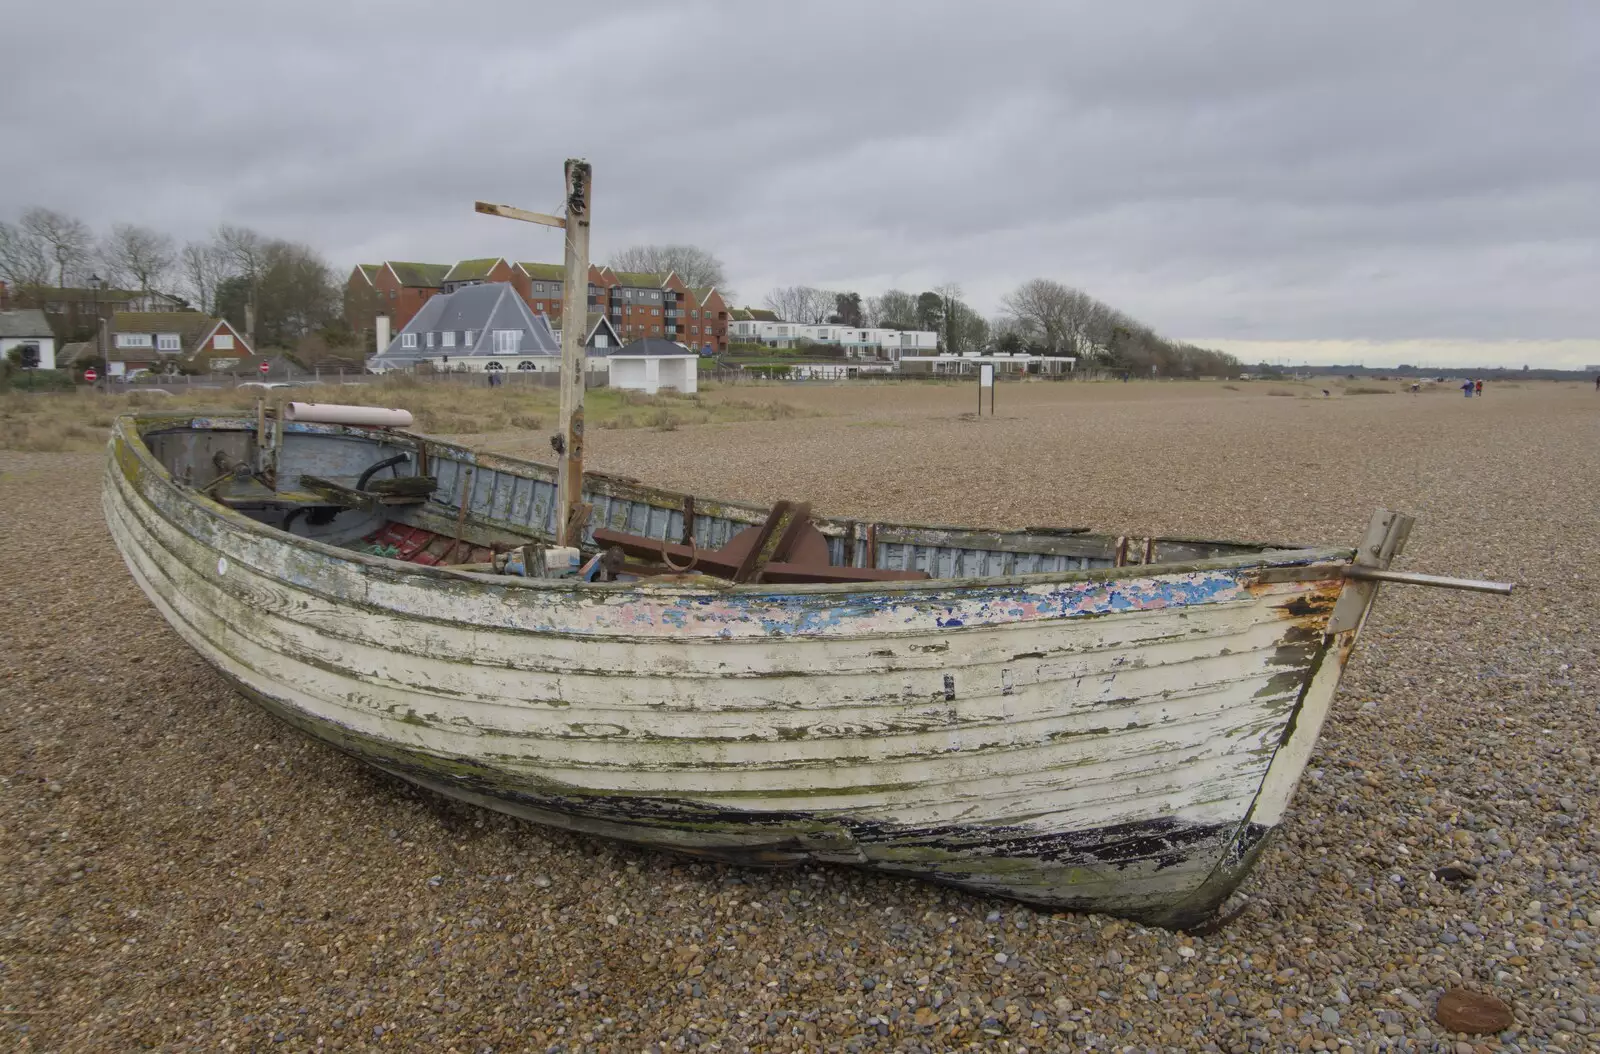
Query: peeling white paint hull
x=1108, y=741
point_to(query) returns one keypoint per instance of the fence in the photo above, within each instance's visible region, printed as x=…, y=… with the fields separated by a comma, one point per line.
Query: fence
x=296, y=377
x=759, y=375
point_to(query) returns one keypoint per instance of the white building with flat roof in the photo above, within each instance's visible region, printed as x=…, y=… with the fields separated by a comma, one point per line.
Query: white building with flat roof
x=960, y=365
x=858, y=342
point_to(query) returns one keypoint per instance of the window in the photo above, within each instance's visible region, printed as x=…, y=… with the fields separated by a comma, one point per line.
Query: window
x=494, y=365
x=222, y=342
x=526, y=365
x=429, y=339
x=448, y=340
x=655, y=311
x=408, y=340
x=538, y=287
x=655, y=296
x=467, y=338
x=655, y=329
x=627, y=294
x=133, y=340
x=507, y=341
x=694, y=329
x=167, y=342
x=693, y=313
x=393, y=294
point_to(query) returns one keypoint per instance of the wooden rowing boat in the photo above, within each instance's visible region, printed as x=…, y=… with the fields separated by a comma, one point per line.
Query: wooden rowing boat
x=1076, y=720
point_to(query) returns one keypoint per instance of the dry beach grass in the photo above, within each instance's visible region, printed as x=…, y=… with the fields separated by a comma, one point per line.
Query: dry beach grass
x=183, y=873
x=75, y=421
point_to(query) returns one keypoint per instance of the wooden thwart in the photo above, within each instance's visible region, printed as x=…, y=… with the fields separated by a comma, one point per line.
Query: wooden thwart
x=786, y=547
x=400, y=491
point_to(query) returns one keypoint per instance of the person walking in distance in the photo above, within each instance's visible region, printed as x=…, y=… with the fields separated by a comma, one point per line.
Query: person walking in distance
x=1466, y=389
x=1478, y=386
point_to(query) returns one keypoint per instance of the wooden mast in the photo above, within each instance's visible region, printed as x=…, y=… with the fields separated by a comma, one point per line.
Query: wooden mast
x=568, y=440
x=574, y=318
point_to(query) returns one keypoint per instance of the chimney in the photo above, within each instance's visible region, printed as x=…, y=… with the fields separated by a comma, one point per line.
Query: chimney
x=381, y=328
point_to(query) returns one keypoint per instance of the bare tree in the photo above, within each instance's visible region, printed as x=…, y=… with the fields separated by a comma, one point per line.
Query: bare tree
x=871, y=312
x=697, y=267
x=139, y=254
x=65, y=239
x=244, y=248
x=804, y=304
x=205, y=265
x=24, y=260
x=895, y=309
x=1053, y=315
x=246, y=251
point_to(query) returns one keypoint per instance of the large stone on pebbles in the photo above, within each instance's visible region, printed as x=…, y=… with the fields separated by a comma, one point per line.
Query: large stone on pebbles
x=1472, y=1012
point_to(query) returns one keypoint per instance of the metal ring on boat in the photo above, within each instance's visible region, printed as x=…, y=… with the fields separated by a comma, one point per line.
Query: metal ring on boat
x=666, y=558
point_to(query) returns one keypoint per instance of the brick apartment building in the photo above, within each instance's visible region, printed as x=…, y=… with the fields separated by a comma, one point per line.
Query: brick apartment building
x=637, y=305
x=395, y=288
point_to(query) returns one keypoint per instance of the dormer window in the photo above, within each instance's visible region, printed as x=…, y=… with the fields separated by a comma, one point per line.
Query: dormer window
x=167, y=342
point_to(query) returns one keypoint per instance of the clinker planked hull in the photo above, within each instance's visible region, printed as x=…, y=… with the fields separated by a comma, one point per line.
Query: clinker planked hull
x=1117, y=740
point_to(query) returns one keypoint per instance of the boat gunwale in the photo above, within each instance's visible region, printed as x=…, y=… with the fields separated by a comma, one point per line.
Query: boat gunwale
x=134, y=439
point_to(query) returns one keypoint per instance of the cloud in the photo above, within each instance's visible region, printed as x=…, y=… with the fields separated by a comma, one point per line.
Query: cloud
x=1551, y=354
x=1254, y=171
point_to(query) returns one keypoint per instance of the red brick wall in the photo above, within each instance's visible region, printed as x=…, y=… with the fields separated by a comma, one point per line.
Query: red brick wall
x=714, y=313
x=402, y=302
x=361, y=302
x=547, y=301
x=248, y=360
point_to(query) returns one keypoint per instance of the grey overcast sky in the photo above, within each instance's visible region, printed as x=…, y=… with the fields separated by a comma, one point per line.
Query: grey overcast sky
x=1294, y=180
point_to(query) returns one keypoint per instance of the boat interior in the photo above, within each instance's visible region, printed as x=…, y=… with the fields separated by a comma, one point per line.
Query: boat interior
x=414, y=498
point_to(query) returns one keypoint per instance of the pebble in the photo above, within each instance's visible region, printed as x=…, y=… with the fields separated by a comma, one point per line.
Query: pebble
x=1476, y=1013
x=249, y=865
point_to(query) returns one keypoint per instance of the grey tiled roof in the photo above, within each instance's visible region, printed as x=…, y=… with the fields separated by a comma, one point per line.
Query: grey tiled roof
x=479, y=309
x=24, y=322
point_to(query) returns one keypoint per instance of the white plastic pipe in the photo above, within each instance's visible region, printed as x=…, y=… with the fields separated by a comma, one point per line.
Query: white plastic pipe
x=334, y=414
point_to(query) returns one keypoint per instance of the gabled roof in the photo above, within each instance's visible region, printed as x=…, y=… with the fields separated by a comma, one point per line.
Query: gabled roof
x=25, y=322
x=192, y=327
x=655, y=346
x=193, y=346
x=480, y=309
x=418, y=275
x=184, y=323
x=70, y=354
x=472, y=270
x=46, y=293
x=545, y=272
x=595, y=321
x=640, y=279
x=369, y=272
